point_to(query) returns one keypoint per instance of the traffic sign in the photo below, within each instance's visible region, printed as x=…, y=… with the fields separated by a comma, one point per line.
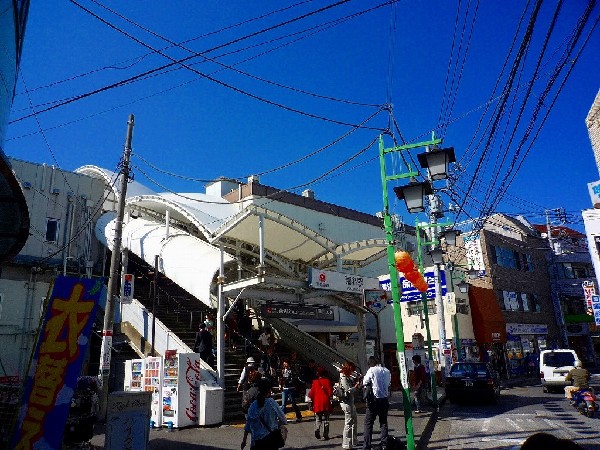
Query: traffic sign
x=127, y=289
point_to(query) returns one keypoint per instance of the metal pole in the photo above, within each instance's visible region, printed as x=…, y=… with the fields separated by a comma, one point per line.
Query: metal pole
x=113, y=279
x=220, y=321
x=427, y=328
x=457, y=343
x=389, y=234
x=154, y=294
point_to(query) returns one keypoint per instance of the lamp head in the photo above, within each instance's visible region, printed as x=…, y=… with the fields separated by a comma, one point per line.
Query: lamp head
x=437, y=161
x=413, y=194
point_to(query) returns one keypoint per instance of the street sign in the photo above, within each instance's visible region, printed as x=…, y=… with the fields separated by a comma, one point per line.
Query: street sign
x=127, y=289
x=288, y=311
x=338, y=281
x=596, y=308
x=409, y=292
x=377, y=299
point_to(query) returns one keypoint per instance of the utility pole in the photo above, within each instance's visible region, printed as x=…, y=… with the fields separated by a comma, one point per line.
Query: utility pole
x=113, y=279
x=554, y=291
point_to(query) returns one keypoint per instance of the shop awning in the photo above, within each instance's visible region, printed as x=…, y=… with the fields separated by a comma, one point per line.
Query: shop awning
x=489, y=325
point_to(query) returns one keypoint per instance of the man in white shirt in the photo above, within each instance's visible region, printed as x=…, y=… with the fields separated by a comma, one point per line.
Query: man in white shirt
x=379, y=378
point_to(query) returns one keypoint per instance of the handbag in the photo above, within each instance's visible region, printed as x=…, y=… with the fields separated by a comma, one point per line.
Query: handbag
x=275, y=438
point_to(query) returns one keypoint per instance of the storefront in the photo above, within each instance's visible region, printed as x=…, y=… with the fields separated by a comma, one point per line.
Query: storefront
x=523, y=345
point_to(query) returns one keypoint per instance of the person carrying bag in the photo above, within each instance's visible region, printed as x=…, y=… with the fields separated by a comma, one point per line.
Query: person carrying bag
x=265, y=421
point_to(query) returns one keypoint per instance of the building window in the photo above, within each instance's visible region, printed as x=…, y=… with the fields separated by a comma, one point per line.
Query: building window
x=570, y=271
x=416, y=308
x=528, y=265
x=505, y=257
x=52, y=227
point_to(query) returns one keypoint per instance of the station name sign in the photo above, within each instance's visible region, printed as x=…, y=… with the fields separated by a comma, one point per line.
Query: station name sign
x=341, y=282
x=287, y=311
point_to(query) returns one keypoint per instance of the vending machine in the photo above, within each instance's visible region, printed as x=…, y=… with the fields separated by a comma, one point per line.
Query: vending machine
x=134, y=375
x=180, y=389
x=153, y=373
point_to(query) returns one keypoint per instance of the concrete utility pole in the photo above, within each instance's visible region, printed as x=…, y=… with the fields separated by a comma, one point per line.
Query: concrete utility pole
x=113, y=279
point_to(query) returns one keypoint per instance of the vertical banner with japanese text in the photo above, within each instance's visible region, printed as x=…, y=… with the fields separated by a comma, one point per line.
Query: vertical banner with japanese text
x=57, y=361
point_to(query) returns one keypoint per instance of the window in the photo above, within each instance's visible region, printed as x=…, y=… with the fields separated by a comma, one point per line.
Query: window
x=572, y=271
x=518, y=301
x=505, y=257
x=52, y=227
x=416, y=308
x=528, y=266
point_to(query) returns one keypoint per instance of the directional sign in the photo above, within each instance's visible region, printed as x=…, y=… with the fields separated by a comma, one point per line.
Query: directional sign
x=596, y=308
x=127, y=289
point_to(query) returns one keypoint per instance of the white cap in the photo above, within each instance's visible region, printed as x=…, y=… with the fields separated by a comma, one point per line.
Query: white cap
x=250, y=360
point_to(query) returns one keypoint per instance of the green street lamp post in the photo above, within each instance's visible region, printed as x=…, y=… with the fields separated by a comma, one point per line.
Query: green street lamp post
x=389, y=232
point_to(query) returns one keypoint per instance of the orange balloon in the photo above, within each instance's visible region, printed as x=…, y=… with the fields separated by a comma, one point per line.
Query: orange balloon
x=404, y=262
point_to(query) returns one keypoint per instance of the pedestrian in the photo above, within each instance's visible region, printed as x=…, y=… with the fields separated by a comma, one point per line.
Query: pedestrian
x=320, y=393
x=243, y=382
x=348, y=386
x=265, y=339
x=232, y=331
x=288, y=389
x=418, y=382
x=306, y=375
x=263, y=420
x=377, y=378
x=251, y=393
x=245, y=327
x=203, y=344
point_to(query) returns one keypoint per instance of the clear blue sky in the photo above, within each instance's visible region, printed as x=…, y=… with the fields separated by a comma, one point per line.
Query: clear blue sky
x=269, y=95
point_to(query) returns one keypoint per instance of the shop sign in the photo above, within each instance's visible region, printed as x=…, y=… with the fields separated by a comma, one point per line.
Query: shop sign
x=409, y=292
x=495, y=336
x=127, y=289
x=288, y=311
x=589, y=290
x=377, y=299
x=342, y=282
x=596, y=308
x=594, y=190
x=526, y=328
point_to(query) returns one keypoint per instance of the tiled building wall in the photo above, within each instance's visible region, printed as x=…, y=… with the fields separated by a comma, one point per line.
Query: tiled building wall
x=592, y=123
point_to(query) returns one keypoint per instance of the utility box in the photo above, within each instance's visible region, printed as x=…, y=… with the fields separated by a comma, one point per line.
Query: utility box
x=210, y=405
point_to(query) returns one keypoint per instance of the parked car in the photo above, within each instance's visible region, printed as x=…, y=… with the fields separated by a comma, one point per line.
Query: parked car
x=472, y=381
x=554, y=367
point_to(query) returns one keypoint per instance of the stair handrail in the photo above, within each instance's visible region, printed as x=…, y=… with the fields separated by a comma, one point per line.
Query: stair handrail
x=140, y=319
x=309, y=346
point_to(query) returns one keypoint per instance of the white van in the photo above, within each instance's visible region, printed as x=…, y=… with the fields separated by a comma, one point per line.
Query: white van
x=554, y=367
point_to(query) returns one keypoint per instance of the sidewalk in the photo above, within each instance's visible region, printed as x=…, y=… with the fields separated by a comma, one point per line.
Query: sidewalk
x=301, y=435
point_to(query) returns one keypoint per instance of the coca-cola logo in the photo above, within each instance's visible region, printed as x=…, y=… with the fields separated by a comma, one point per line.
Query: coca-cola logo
x=192, y=378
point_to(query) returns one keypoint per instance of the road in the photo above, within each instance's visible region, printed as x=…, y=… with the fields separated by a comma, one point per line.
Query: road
x=519, y=413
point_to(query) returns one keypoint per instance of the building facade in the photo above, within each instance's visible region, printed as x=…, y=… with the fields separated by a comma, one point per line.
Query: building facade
x=63, y=207
x=511, y=303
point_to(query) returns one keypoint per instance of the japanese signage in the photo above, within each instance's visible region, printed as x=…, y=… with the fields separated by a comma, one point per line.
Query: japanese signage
x=57, y=361
x=589, y=290
x=127, y=289
x=526, y=328
x=128, y=420
x=409, y=292
x=297, y=311
x=338, y=281
x=596, y=308
x=474, y=253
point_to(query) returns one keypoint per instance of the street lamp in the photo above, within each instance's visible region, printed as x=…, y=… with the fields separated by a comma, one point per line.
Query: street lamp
x=413, y=194
x=450, y=236
x=436, y=161
x=437, y=255
x=463, y=287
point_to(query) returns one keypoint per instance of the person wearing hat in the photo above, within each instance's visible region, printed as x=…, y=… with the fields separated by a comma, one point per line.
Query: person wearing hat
x=243, y=382
x=203, y=343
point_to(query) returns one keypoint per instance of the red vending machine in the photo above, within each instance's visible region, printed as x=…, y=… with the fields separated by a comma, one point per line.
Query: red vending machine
x=180, y=391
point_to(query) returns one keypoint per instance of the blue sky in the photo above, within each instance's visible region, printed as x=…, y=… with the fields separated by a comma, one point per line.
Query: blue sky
x=272, y=88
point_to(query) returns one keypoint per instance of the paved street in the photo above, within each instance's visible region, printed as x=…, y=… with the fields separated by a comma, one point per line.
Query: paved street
x=301, y=435
x=520, y=412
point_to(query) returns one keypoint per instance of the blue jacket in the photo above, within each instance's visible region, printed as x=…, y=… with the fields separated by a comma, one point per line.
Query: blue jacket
x=270, y=413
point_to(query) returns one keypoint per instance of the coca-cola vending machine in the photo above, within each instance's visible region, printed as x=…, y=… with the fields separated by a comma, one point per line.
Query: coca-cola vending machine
x=180, y=391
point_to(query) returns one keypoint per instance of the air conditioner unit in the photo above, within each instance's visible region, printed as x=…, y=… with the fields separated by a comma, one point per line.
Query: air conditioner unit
x=55, y=191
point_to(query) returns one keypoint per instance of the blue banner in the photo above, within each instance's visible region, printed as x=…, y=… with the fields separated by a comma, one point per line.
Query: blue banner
x=410, y=293
x=57, y=361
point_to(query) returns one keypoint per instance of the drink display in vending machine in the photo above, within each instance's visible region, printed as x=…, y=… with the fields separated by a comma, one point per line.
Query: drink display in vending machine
x=152, y=383
x=134, y=375
x=180, y=391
